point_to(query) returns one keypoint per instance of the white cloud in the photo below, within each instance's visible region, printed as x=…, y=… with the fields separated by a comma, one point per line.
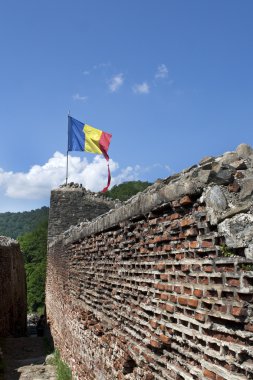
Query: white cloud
x=101, y=65
x=86, y=72
x=40, y=179
x=167, y=167
x=142, y=88
x=162, y=71
x=130, y=173
x=116, y=82
x=79, y=97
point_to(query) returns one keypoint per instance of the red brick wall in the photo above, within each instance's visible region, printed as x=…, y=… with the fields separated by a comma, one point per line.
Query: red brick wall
x=154, y=296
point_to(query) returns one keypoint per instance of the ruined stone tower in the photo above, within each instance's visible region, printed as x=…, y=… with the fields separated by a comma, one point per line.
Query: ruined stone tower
x=72, y=204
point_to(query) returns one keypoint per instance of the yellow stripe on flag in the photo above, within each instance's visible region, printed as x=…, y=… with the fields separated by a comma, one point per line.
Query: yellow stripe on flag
x=92, y=137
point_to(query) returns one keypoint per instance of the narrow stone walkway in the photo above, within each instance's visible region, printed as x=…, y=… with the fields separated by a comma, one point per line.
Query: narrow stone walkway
x=25, y=359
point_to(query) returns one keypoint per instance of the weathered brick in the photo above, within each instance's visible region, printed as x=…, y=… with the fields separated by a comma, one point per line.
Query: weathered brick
x=191, y=232
x=185, y=268
x=153, y=323
x=193, y=244
x=185, y=201
x=165, y=339
x=155, y=343
x=183, y=301
x=221, y=308
x=177, y=289
x=209, y=374
x=160, y=286
x=207, y=244
x=148, y=358
x=203, y=280
x=161, y=266
x=149, y=376
x=192, y=302
x=225, y=268
x=187, y=222
x=174, y=216
x=164, y=296
x=170, y=308
x=173, y=298
x=188, y=291
x=233, y=282
x=196, y=267
x=249, y=327
x=162, y=306
x=200, y=317
x=162, y=327
x=208, y=268
x=238, y=311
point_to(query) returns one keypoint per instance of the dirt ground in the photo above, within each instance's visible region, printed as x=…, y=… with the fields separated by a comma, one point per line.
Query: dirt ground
x=25, y=359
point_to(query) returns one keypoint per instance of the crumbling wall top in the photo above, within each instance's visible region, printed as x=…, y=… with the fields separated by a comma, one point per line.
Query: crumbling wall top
x=225, y=182
x=7, y=242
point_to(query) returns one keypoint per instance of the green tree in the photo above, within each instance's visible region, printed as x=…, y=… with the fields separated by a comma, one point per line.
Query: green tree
x=34, y=246
x=126, y=190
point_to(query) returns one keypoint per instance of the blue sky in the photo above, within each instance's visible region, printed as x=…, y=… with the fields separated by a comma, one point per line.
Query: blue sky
x=171, y=80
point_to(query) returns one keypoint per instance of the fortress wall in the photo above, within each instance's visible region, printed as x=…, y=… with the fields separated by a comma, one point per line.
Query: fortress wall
x=13, y=289
x=162, y=286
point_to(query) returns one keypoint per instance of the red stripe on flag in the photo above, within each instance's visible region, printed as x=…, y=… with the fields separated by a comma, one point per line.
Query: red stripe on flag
x=108, y=180
x=104, y=143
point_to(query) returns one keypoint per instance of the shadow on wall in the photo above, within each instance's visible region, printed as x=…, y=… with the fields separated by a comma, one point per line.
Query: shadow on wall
x=27, y=357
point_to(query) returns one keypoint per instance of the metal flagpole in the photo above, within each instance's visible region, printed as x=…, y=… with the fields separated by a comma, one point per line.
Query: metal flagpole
x=67, y=167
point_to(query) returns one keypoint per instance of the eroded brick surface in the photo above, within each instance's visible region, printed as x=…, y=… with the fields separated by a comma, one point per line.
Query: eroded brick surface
x=151, y=291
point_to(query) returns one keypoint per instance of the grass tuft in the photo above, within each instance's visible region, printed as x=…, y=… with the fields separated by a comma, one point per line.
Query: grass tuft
x=62, y=369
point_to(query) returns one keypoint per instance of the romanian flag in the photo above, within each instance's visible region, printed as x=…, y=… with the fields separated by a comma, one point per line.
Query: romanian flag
x=83, y=137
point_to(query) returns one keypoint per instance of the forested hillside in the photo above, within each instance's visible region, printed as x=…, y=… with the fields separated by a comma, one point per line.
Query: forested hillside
x=14, y=224
x=126, y=190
